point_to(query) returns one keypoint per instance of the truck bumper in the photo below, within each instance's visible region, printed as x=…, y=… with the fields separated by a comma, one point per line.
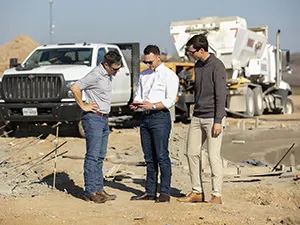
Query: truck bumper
x=42, y=112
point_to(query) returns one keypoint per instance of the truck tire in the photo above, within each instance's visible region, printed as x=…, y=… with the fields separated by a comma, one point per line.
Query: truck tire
x=258, y=101
x=190, y=111
x=80, y=129
x=249, y=103
x=289, y=107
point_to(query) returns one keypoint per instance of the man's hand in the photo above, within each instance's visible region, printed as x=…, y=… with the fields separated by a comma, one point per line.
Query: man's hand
x=135, y=105
x=147, y=105
x=90, y=107
x=217, y=129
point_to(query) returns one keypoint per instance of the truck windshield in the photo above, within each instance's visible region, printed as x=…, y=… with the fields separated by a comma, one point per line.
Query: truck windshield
x=61, y=56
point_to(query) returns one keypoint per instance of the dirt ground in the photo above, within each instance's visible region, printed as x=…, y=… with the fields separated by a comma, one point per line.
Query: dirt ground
x=30, y=198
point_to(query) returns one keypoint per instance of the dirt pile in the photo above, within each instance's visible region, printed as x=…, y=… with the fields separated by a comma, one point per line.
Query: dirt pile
x=18, y=48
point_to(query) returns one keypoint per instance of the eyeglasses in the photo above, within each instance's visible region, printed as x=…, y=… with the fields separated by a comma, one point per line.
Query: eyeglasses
x=149, y=62
x=115, y=69
x=191, y=52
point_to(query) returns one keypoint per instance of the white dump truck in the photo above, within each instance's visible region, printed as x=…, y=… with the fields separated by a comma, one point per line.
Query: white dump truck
x=254, y=67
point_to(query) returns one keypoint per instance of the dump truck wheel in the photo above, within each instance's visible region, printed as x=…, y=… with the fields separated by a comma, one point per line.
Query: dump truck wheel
x=80, y=129
x=258, y=101
x=190, y=111
x=289, y=107
x=249, y=103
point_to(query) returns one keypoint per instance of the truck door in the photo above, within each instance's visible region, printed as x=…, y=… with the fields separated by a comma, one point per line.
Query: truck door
x=121, y=92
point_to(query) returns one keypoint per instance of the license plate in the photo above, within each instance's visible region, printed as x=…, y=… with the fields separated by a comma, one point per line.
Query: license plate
x=29, y=111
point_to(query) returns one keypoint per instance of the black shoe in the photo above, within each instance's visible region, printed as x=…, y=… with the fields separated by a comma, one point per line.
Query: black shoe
x=143, y=197
x=163, y=198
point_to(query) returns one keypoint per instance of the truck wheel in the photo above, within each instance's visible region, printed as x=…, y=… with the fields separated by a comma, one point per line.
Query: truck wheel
x=289, y=107
x=258, y=101
x=80, y=129
x=249, y=103
x=190, y=111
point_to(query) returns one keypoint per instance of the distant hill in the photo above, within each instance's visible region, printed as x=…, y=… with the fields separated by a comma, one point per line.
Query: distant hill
x=18, y=48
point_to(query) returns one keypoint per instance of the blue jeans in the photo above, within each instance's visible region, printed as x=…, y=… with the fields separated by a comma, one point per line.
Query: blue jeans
x=155, y=130
x=96, y=131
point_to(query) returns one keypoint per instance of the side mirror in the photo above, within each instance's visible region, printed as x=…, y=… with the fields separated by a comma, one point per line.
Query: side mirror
x=289, y=70
x=13, y=62
x=287, y=57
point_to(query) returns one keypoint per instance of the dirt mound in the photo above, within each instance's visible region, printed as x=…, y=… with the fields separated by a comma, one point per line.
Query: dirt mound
x=271, y=196
x=18, y=48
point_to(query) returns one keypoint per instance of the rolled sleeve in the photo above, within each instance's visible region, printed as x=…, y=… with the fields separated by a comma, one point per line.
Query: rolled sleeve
x=171, y=90
x=138, y=93
x=87, y=81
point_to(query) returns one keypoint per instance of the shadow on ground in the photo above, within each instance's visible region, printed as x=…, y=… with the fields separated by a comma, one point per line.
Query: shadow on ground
x=142, y=182
x=64, y=184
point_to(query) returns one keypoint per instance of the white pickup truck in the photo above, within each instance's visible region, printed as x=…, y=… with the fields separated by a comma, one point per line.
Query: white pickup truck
x=37, y=90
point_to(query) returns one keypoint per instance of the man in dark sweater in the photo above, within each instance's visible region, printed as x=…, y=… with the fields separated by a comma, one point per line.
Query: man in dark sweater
x=208, y=119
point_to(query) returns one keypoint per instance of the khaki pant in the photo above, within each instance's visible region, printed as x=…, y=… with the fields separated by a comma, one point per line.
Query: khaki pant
x=200, y=131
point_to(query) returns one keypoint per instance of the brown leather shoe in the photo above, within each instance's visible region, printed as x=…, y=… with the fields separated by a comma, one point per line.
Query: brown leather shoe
x=105, y=194
x=163, y=198
x=192, y=197
x=95, y=198
x=215, y=200
x=143, y=197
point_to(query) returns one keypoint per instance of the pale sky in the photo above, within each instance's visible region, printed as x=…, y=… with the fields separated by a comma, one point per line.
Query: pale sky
x=144, y=21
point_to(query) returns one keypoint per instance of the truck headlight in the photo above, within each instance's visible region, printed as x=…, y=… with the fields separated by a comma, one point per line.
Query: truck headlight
x=69, y=83
x=68, y=92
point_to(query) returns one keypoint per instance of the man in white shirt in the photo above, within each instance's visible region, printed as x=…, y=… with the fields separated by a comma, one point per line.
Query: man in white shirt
x=156, y=94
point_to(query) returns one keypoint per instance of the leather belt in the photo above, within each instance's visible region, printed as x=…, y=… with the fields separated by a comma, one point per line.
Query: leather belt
x=101, y=114
x=154, y=111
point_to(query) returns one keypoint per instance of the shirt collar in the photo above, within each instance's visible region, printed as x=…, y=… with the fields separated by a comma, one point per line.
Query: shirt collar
x=103, y=70
x=159, y=68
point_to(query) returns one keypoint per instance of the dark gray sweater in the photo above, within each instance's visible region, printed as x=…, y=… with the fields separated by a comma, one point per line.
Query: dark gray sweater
x=210, y=89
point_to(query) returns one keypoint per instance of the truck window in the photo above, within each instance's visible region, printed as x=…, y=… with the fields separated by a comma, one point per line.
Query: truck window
x=61, y=56
x=100, y=56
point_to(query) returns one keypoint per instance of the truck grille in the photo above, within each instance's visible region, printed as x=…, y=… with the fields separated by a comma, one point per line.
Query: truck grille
x=32, y=88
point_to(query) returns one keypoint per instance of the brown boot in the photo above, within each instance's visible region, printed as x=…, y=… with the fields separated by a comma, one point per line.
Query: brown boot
x=108, y=196
x=192, y=197
x=163, y=198
x=215, y=200
x=95, y=198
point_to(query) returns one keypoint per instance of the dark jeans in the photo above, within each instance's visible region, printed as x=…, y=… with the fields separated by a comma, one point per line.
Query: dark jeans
x=96, y=130
x=155, y=130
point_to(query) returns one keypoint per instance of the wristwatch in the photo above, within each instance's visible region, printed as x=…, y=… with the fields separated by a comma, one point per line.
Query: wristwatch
x=154, y=106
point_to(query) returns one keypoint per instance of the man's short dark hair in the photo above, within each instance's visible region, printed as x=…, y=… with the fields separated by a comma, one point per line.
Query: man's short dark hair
x=152, y=49
x=198, y=41
x=113, y=57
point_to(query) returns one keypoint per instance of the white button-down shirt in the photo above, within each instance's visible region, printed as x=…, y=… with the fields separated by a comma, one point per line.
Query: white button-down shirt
x=160, y=85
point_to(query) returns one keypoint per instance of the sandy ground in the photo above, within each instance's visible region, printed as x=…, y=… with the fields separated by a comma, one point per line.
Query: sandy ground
x=30, y=199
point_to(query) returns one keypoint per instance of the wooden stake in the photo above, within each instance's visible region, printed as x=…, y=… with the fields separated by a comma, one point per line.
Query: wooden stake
x=55, y=160
x=39, y=161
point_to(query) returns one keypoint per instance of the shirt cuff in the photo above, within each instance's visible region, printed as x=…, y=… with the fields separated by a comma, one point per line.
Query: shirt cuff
x=79, y=84
x=167, y=103
x=218, y=120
